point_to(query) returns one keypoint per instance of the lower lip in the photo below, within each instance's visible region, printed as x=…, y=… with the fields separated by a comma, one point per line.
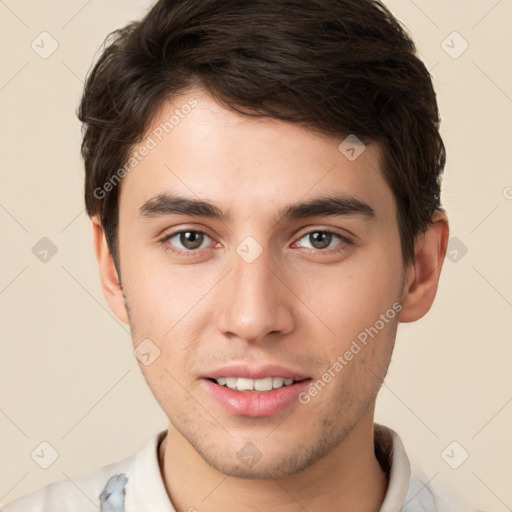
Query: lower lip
x=255, y=404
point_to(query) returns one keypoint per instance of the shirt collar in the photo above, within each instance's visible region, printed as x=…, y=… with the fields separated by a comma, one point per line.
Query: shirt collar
x=147, y=491
x=391, y=454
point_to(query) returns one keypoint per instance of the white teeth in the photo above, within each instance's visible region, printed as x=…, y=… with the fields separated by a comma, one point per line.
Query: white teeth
x=277, y=382
x=231, y=382
x=243, y=384
x=263, y=384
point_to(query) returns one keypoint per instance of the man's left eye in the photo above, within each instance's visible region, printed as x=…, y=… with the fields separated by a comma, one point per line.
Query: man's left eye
x=322, y=239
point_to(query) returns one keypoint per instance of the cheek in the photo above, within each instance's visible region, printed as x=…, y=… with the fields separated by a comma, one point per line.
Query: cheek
x=343, y=300
x=168, y=306
x=163, y=297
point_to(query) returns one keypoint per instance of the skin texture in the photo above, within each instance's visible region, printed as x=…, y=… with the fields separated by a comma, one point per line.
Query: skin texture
x=295, y=305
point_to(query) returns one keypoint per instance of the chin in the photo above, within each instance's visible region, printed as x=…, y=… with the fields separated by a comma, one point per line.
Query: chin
x=253, y=464
x=257, y=472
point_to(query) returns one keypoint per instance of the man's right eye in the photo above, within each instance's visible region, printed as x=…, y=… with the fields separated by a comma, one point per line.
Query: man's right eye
x=186, y=240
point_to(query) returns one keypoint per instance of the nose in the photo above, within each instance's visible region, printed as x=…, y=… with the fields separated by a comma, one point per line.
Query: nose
x=256, y=301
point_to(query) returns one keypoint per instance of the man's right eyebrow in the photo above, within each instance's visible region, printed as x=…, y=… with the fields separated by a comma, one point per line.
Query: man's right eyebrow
x=169, y=204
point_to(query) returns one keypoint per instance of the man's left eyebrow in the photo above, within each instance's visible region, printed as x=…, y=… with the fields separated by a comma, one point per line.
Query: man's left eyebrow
x=332, y=205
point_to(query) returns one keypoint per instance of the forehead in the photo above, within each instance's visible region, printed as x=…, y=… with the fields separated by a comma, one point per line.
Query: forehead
x=247, y=165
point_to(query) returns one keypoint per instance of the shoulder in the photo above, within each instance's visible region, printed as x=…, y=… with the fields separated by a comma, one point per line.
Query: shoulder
x=83, y=493
x=425, y=494
x=409, y=490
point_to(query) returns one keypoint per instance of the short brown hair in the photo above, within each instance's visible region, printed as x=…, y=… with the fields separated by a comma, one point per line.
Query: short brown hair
x=338, y=67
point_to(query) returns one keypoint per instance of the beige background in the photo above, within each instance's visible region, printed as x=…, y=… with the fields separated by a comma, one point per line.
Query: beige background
x=68, y=376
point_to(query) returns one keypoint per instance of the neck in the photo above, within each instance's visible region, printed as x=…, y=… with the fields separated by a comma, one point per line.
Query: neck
x=348, y=478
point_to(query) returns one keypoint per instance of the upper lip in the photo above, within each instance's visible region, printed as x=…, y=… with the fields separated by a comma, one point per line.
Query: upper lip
x=255, y=372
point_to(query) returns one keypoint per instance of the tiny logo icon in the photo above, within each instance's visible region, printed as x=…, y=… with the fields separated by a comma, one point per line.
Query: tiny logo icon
x=507, y=192
x=351, y=147
x=44, y=250
x=249, y=455
x=456, y=249
x=454, y=45
x=249, y=249
x=44, y=455
x=44, y=45
x=454, y=455
x=146, y=352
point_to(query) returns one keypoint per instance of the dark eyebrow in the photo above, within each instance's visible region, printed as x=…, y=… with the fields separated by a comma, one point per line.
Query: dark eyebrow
x=169, y=204
x=332, y=205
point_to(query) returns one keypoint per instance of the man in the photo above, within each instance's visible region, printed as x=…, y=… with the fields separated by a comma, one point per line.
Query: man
x=263, y=180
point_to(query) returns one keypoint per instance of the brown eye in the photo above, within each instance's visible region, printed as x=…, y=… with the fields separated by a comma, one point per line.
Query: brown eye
x=320, y=239
x=191, y=239
x=187, y=240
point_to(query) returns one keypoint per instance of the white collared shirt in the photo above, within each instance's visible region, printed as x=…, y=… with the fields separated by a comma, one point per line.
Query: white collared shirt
x=134, y=484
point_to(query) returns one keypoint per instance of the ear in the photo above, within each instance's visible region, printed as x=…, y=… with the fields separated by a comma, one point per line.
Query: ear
x=110, y=284
x=422, y=276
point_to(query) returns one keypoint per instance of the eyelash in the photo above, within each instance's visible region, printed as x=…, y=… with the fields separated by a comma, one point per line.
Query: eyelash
x=192, y=252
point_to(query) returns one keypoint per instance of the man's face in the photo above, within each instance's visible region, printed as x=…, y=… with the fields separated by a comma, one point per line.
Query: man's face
x=257, y=288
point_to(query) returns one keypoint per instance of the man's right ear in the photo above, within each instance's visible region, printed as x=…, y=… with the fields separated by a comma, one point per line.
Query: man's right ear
x=108, y=273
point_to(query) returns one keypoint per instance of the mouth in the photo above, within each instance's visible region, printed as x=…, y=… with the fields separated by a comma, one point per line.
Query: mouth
x=264, y=385
x=246, y=391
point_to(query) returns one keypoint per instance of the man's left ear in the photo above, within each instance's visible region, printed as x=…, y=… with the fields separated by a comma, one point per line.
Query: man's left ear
x=422, y=276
